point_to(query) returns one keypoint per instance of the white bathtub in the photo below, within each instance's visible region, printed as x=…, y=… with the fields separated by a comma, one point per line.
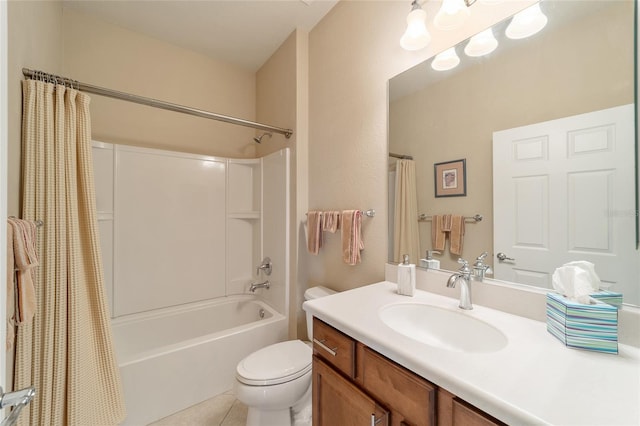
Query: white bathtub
x=173, y=358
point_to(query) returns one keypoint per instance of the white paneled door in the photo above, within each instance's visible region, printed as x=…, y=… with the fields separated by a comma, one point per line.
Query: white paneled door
x=564, y=190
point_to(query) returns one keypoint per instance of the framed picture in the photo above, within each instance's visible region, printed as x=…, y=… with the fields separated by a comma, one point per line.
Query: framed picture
x=450, y=178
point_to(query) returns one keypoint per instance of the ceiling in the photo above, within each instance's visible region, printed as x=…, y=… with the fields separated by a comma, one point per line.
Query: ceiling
x=242, y=32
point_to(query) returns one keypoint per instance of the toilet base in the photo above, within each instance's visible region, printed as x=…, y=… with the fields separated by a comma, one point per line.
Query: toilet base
x=298, y=415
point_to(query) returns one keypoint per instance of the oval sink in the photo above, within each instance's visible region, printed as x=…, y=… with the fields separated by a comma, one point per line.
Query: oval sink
x=442, y=328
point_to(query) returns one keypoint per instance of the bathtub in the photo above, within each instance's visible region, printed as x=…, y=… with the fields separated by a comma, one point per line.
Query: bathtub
x=176, y=357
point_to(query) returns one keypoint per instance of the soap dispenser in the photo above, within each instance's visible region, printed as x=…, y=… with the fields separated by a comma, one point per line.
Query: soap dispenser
x=429, y=262
x=406, y=277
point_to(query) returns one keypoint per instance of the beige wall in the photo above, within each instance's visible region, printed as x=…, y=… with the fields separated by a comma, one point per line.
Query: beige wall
x=354, y=51
x=34, y=41
x=102, y=54
x=555, y=76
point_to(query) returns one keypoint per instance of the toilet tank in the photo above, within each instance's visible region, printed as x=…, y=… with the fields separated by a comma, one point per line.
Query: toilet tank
x=315, y=293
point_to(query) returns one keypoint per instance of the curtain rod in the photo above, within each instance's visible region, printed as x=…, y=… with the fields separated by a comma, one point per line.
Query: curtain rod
x=89, y=88
x=400, y=156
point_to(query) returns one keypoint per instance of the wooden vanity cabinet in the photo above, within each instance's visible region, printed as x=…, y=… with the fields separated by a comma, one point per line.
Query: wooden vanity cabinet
x=410, y=398
x=453, y=411
x=355, y=385
x=338, y=401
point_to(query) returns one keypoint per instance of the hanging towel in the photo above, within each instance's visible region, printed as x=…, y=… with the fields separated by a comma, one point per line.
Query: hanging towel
x=456, y=234
x=352, y=242
x=10, y=292
x=331, y=221
x=438, y=235
x=314, y=231
x=25, y=259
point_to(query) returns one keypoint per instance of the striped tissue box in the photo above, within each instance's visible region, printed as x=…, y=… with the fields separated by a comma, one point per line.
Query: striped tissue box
x=609, y=297
x=590, y=327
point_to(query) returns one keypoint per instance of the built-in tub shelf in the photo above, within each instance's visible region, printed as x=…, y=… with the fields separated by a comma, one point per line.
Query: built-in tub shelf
x=244, y=215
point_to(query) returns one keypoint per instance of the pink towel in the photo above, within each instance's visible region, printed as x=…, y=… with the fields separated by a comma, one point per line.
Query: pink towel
x=456, y=234
x=438, y=234
x=314, y=231
x=352, y=243
x=331, y=221
x=22, y=257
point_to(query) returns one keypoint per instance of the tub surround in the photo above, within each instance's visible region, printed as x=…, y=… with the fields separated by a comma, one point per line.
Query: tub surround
x=533, y=380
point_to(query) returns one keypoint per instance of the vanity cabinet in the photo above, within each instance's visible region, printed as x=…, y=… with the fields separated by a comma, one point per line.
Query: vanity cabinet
x=355, y=385
x=454, y=411
x=338, y=401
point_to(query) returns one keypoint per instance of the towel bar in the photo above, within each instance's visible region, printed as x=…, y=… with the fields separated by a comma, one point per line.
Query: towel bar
x=473, y=219
x=368, y=213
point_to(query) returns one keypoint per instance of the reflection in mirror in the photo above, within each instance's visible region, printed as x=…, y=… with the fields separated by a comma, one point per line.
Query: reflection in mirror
x=581, y=62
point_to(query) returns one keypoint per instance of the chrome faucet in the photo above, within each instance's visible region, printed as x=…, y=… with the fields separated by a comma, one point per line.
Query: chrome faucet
x=254, y=286
x=464, y=276
x=480, y=269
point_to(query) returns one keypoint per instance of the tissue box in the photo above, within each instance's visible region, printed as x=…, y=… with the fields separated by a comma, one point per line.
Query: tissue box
x=590, y=327
x=609, y=297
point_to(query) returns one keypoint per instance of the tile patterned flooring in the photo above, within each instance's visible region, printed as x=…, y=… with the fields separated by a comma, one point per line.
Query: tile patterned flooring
x=222, y=410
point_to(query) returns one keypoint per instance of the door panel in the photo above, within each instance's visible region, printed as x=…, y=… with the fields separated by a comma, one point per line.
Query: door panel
x=563, y=190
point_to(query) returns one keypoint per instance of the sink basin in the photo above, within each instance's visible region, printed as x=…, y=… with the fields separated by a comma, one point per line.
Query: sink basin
x=443, y=328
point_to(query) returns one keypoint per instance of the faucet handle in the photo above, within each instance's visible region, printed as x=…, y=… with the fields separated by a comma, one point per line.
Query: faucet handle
x=266, y=266
x=465, y=265
x=482, y=257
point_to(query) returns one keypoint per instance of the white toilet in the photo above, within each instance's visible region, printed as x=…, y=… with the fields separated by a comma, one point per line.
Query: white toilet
x=275, y=381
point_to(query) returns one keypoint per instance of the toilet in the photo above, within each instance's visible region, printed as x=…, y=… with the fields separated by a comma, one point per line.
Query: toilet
x=275, y=382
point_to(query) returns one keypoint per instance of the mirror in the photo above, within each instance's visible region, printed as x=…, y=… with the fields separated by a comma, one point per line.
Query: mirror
x=582, y=61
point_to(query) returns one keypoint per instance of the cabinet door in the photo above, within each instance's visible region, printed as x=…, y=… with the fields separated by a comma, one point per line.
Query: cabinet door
x=412, y=399
x=337, y=401
x=453, y=411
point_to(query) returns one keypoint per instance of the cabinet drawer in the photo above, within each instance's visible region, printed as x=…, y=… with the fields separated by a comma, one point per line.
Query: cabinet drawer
x=412, y=399
x=336, y=348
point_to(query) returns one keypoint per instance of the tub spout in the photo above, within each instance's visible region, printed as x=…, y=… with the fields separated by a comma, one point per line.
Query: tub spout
x=255, y=286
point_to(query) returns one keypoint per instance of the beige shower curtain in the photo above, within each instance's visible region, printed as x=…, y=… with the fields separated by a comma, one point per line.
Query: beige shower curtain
x=406, y=239
x=67, y=351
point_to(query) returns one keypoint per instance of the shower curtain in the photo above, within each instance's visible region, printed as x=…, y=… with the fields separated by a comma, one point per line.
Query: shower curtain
x=406, y=239
x=66, y=352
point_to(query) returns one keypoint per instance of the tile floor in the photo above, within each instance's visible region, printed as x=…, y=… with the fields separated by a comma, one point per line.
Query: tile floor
x=222, y=410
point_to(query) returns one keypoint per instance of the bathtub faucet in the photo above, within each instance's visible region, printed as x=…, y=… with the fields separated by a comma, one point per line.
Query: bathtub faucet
x=255, y=286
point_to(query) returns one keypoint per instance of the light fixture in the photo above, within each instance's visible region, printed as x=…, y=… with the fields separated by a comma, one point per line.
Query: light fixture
x=526, y=23
x=452, y=14
x=416, y=36
x=446, y=60
x=481, y=44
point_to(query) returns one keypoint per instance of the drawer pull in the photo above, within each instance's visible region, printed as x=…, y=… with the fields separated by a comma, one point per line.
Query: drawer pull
x=375, y=421
x=320, y=343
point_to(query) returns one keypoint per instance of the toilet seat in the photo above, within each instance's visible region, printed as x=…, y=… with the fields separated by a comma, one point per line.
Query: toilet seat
x=275, y=364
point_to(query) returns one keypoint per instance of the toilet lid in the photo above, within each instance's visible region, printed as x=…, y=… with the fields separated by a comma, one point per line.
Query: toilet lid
x=275, y=364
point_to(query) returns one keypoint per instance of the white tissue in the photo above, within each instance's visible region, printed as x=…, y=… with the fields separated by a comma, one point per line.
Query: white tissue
x=576, y=281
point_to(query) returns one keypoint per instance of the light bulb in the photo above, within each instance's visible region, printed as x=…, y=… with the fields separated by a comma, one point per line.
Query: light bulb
x=481, y=44
x=446, y=60
x=451, y=15
x=526, y=23
x=416, y=36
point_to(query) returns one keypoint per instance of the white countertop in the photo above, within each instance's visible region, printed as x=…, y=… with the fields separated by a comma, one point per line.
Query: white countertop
x=535, y=379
